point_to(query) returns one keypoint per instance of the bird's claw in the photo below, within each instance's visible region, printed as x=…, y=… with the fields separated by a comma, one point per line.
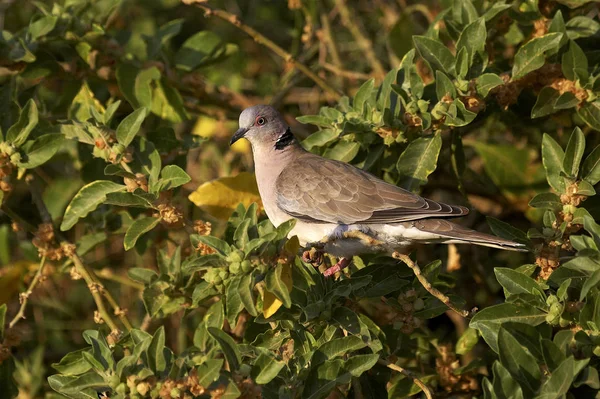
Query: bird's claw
x=314, y=256
x=342, y=263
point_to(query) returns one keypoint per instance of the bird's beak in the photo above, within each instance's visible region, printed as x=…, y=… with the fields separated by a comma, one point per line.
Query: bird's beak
x=238, y=135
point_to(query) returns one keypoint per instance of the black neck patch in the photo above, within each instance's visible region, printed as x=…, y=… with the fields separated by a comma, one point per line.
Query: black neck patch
x=284, y=140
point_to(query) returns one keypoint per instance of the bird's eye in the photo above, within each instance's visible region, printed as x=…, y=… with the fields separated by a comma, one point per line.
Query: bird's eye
x=260, y=121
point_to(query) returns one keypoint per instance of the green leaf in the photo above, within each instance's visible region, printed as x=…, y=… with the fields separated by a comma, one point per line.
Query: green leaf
x=156, y=357
x=137, y=229
x=418, y=161
x=443, y=86
x=546, y=200
x=40, y=150
x=504, y=164
x=574, y=153
x=487, y=82
x=358, y=364
x=590, y=283
x=86, y=200
x=575, y=63
x=276, y=285
x=505, y=386
x=265, y=368
x=167, y=102
x=515, y=282
x=228, y=346
x=590, y=170
x=143, y=87
x=72, y=363
x=344, y=151
x=233, y=301
x=458, y=115
x=218, y=245
x=142, y=275
x=201, y=49
x=559, y=382
x=130, y=126
x=337, y=347
x=505, y=230
x=581, y=26
x=83, y=386
x=553, y=157
x=531, y=55
x=320, y=138
x=590, y=113
x=553, y=355
x=317, y=120
x=362, y=95
x=489, y=320
x=519, y=361
x=28, y=119
x=472, y=39
x=467, y=341
x=42, y=26
x=127, y=199
x=435, y=53
x=245, y=291
x=545, y=103
x=208, y=371
x=172, y=176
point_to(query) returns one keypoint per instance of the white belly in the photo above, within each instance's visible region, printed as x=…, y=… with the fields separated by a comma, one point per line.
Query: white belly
x=392, y=237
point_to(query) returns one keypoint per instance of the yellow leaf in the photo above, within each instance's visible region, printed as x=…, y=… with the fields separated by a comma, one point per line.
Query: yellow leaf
x=83, y=101
x=11, y=276
x=205, y=127
x=241, y=146
x=221, y=196
x=292, y=245
x=270, y=303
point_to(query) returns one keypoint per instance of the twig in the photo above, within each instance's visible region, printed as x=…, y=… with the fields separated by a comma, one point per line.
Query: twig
x=427, y=285
x=108, y=274
x=259, y=38
x=409, y=374
x=95, y=291
x=96, y=288
x=346, y=74
x=15, y=217
x=365, y=44
x=25, y=295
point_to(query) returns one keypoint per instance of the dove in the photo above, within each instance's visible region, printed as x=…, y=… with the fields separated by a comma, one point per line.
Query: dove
x=340, y=208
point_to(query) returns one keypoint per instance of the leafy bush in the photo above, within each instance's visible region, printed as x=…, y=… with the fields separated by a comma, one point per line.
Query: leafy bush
x=492, y=103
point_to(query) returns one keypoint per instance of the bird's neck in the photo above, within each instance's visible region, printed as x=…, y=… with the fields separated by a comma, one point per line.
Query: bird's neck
x=268, y=164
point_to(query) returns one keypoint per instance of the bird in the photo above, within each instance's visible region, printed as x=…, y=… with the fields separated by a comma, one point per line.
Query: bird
x=340, y=208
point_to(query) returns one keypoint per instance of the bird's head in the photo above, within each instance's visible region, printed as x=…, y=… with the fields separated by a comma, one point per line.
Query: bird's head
x=263, y=125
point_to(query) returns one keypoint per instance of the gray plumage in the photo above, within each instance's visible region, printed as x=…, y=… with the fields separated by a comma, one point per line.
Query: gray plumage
x=328, y=198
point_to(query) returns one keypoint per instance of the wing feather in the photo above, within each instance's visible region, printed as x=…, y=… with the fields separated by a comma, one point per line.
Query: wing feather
x=317, y=189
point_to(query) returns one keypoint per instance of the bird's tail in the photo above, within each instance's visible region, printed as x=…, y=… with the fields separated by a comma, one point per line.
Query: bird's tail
x=453, y=233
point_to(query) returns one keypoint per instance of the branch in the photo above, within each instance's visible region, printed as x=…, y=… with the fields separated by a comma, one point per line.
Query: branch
x=410, y=375
x=24, y=296
x=363, y=42
x=427, y=285
x=260, y=39
x=96, y=288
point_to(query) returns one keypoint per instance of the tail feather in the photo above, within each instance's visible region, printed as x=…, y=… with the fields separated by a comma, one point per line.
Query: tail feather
x=457, y=234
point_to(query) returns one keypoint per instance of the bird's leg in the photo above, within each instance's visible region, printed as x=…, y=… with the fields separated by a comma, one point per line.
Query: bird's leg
x=427, y=285
x=341, y=264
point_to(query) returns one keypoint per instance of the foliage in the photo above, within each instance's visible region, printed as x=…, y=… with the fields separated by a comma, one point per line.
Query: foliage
x=115, y=118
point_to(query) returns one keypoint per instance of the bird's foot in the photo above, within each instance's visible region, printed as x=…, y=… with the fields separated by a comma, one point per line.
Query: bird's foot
x=314, y=256
x=342, y=263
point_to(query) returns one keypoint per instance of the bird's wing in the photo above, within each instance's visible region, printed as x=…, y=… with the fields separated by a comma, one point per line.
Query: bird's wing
x=316, y=189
